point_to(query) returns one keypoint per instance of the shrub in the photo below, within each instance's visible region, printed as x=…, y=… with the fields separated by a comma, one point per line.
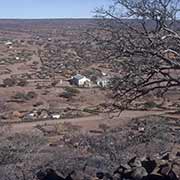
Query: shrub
x=9, y=82
x=38, y=104
x=69, y=92
x=104, y=127
x=91, y=111
x=22, y=82
x=23, y=96
x=20, y=96
x=150, y=104
x=31, y=95
x=67, y=95
x=72, y=90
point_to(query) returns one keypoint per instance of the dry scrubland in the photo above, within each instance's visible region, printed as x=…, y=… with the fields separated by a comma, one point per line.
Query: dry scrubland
x=48, y=123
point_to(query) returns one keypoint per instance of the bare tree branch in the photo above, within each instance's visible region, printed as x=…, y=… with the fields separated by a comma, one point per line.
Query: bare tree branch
x=140, y=39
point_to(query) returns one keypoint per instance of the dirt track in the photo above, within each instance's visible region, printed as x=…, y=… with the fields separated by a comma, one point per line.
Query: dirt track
x=87, y=123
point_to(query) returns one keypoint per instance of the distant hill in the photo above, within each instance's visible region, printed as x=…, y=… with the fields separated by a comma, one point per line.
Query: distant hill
x=27, y=24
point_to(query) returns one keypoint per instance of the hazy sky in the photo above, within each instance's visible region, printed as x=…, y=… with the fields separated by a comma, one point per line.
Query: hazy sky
x=49, y=8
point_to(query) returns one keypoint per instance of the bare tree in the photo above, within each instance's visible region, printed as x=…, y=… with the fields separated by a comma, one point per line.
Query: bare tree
x=140, y=38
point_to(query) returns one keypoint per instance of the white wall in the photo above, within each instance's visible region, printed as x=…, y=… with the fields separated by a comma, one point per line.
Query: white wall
x=82, y=81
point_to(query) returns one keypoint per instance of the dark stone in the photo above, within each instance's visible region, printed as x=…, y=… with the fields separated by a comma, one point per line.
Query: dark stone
x=138, y=173
x=172, y=175
x=134, y=162
x=153, y=177
x=49, y=174
x=149, y=165
x=40, y=175
x=108, y=176
x=165, y=157
x=120, y=170
x=164, y=169
x=69, y=176
x=100, y=175
x=178, y=154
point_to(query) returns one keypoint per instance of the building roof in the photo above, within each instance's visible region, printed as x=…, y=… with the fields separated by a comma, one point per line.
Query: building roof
x=78, y=76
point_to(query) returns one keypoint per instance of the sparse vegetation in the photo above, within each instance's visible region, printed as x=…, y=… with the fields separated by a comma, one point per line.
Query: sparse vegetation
x=151, y=104
x=72, y=90
x=25, y=96
x=9, y=82
x=22, y=82
x=104, y=127
x=69, y=92
x=91, y=110
x=67, y=95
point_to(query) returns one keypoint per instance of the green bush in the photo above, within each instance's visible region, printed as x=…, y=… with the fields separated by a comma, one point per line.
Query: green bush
x=71, y=90
x=91, y=111
x=23, y=96
x=150, y=104
x=31, y=95
x=67, y=95
x=20, y=96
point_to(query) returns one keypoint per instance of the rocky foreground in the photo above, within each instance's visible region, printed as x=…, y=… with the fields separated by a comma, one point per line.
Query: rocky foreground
x=155, y=140
x=135, y=169
x=147, y=148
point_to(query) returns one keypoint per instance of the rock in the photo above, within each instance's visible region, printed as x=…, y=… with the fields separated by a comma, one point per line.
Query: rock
x=100, y=175
x=71, y=176
x=164, y=169
x=172, y=175
x=121, y=169
x=52, y=175
x=165, y=157
x=149, y=165
x=141, y=129
x=49, y=174
x=40, y=175
x=138, y=173
x=116, y=177
x=154, y=177
x=134, y=162
x=178, y=154
x=108, y=176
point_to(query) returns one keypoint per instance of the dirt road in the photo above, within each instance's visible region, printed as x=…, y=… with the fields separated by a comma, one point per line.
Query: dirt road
x=87, y=123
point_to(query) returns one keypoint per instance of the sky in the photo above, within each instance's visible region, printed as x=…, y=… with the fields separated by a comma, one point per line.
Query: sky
x=49, y=8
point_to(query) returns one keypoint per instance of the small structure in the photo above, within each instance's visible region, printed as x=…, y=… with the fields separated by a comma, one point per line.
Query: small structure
x=103, y=82
x=55, y=115
x=80, y=80
x=31, y=115
x=8, y=43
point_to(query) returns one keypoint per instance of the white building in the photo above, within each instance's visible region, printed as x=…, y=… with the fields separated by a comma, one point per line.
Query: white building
x=80, y=80
x=8, y=43
x=103, y=82
x=55, y=115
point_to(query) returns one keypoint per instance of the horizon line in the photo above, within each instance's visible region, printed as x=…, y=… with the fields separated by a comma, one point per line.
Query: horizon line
x=47, y=18
x=62, y=18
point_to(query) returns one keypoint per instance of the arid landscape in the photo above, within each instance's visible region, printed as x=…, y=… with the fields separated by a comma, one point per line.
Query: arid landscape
x=49, y=120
